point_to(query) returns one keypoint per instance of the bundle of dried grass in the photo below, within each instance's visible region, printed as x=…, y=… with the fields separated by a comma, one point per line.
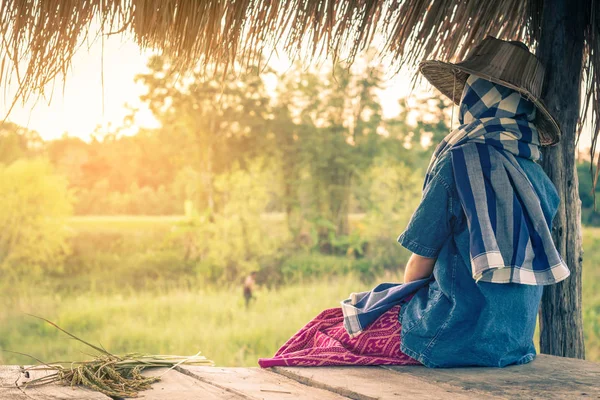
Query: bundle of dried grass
x=112, y=375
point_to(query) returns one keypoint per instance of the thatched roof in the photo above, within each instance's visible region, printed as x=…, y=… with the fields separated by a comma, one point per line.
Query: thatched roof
x=39, y=37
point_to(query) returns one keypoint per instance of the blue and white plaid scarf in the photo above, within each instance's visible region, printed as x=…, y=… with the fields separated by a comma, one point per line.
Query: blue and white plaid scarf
x=362, y=309
x=509, y=237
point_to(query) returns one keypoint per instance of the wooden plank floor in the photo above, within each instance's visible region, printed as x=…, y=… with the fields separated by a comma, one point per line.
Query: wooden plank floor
x=546, y=378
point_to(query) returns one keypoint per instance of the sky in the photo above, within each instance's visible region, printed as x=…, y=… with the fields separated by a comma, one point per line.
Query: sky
x=76, y=108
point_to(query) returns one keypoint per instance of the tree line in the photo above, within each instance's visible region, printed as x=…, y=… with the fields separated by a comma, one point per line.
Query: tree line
x=319, y=130
x=315, y=147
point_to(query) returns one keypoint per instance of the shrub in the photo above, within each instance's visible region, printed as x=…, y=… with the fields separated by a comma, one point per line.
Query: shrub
x=34, y=205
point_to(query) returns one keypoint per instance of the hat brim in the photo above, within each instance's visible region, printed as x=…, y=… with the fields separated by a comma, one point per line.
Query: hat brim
x=450, y=79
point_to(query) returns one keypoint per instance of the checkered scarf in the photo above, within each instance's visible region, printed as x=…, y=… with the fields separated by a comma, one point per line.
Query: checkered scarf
x=362, y=309
x=510, y=239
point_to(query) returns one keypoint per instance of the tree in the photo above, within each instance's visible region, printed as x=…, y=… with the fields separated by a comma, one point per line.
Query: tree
x=393, y=193
x=18, y=142
x=288, y=137
x=335, y=117
x=561, y=51
x=70, y=155
x=213, y=119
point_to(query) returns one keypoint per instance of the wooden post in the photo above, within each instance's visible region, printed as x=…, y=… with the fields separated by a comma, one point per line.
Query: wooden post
x=561, y=51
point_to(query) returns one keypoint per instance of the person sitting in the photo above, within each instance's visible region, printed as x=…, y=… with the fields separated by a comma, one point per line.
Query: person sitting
x=480, y=237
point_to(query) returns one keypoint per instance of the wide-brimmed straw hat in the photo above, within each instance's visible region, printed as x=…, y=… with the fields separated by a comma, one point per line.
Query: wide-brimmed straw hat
x=506, y=63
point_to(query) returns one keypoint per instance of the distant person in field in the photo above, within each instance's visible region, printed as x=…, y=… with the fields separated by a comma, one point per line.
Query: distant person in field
x=249, y=284
x=480, y=238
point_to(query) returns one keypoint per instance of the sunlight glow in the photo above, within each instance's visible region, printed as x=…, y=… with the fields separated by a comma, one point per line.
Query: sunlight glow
x=77, y=110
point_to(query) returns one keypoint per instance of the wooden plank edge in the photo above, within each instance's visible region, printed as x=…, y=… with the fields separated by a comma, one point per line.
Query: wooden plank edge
x=204, y=380
x=319, y=385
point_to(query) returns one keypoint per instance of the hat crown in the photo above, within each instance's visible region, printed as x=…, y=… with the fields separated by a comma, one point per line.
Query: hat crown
x=506, y=63
x=509, y=62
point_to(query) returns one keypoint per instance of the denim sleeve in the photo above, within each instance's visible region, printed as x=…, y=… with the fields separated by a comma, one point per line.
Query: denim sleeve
x=430, y=224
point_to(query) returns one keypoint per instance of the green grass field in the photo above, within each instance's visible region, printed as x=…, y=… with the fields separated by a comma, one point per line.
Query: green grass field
x=183, y=320
x=591, y=292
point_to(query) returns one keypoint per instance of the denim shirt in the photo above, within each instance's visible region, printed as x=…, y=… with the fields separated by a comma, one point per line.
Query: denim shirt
x=455, y=321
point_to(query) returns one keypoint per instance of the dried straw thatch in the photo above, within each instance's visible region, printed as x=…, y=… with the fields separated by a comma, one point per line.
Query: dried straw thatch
x=39, y=37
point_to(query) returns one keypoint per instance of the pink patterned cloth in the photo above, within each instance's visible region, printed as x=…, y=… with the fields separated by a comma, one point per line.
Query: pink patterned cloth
x=325, y=342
